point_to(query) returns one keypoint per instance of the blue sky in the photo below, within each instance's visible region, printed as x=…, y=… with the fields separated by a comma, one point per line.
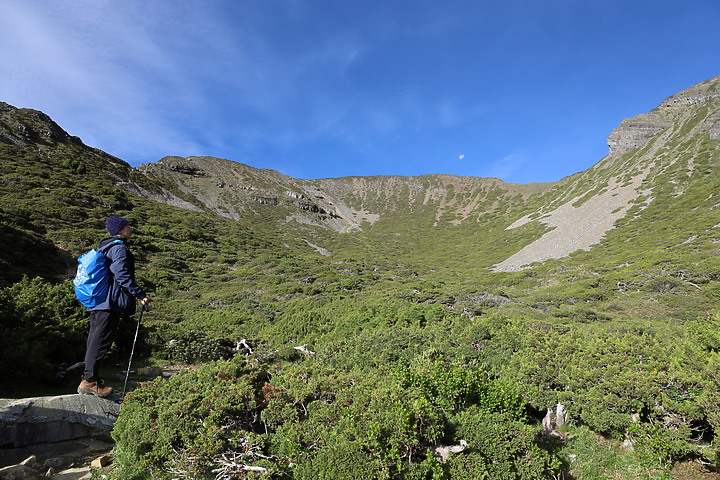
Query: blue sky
x=523, y=90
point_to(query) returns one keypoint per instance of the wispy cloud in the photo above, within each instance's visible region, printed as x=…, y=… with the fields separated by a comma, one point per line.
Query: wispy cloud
x=506, y=167
x=398, y=86
x=94, y=70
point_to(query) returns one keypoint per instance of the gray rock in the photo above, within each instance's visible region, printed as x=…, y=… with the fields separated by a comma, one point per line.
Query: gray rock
x=72, y=474
x=149, y=372
x=53, y=426
x=31, y=462
x=101, y=462
x=634, y=132
x=57, y=463
x=18, y=472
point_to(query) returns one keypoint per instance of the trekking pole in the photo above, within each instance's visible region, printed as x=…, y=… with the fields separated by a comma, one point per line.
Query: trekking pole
x=137, y=329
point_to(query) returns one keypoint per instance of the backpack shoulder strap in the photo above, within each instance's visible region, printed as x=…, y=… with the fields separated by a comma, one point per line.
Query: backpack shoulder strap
x=108, y=245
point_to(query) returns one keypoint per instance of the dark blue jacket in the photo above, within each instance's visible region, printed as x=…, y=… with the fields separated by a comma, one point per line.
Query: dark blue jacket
x=123, y=288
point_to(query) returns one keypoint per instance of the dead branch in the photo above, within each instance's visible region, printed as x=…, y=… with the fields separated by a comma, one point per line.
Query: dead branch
x=303, y=349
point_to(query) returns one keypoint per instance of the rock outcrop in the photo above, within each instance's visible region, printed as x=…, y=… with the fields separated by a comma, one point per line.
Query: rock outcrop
x=634, y=132
x=51, y=427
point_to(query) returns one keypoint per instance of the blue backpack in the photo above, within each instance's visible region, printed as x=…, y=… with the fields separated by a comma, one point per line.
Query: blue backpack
x=91, y=280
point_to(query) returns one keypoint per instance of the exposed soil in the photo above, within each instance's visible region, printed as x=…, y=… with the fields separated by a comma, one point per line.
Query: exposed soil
x=694, y=471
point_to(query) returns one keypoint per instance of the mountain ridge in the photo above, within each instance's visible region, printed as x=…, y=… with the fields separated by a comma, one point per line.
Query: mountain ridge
x=655, y=151
x=584, y=207
x=227, y=188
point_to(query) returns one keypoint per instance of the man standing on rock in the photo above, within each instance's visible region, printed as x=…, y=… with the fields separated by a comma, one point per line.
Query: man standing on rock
x=120, y=303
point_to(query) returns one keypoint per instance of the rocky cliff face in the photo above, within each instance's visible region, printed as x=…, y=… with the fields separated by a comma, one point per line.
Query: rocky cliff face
x=235, y=190
x=633, y=132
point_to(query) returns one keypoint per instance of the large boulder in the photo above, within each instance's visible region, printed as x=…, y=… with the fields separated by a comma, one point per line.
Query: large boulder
x=54, y=426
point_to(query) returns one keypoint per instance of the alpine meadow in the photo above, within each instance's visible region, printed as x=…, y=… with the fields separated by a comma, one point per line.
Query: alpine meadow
x=387, y=327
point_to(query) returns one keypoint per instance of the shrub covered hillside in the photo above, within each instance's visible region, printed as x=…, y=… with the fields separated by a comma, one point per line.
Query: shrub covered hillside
x=405, y=345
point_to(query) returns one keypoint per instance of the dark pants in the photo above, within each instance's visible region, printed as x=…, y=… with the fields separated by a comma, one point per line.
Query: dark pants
x=103, y=324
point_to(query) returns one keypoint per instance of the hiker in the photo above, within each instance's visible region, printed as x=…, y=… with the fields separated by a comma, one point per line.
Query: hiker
x=119, y=303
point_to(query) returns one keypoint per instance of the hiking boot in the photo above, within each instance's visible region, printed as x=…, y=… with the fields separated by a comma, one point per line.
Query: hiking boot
x=93, y=388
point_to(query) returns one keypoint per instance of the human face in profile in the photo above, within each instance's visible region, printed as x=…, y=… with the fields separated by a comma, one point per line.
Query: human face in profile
x=126, y=232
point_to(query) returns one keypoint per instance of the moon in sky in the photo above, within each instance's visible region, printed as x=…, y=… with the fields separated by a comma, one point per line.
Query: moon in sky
x=461, y=157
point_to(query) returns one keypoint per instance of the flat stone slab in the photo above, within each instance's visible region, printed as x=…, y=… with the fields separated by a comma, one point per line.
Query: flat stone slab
x=50, y=426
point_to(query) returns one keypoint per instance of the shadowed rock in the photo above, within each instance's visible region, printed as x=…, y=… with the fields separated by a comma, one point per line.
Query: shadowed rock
x=54, y=426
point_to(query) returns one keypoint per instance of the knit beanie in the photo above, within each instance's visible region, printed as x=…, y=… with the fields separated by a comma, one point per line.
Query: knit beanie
x=114, y=224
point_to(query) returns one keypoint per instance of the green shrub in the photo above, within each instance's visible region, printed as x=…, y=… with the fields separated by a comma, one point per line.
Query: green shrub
x=454, y=386
x=186, y=422
x=347, y=461
x=507, y=447
x=659, y=447
x=195, y=346
x=42, y=327
x=297, y=416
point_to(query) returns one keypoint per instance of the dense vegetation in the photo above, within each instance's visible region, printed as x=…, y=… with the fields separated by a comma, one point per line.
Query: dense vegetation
x=410, y=344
